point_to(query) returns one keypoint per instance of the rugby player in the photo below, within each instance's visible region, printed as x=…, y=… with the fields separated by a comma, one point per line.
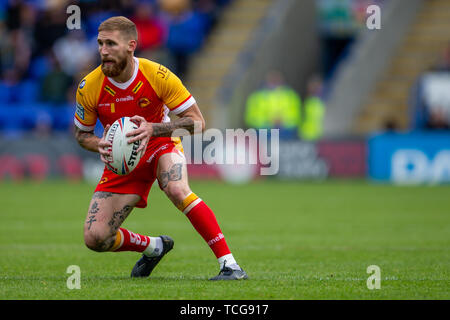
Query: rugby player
x=124, y=85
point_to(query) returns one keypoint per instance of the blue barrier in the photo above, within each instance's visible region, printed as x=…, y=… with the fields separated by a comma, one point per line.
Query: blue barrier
x=410, y=158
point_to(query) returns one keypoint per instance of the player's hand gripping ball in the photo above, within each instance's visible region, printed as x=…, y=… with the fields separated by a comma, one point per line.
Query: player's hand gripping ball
x=124, y=157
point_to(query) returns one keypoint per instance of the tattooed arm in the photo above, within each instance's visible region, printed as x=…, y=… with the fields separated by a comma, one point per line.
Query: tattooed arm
x=89, y=141
x=190, y=120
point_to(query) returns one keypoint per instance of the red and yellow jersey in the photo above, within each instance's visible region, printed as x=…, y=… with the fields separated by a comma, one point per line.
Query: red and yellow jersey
x=152, y=92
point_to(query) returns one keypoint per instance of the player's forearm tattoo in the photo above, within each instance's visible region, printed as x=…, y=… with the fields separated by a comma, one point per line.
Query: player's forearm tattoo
x=82, y=136
x=174, y=174
x=87, y=140
x=167, y=128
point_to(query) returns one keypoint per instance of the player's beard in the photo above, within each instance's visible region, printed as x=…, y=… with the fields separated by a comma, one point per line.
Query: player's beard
x=116, y=68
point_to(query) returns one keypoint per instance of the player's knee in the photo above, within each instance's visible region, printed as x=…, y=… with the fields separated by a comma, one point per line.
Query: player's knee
x=177, y=192
x=97, y=241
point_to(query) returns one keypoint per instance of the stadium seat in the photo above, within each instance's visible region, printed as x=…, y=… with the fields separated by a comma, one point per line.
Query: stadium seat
x=186, y=36
x=5, y=93
x=11, y=121
x=27, y=92
x=62, y=117
x=39, y=67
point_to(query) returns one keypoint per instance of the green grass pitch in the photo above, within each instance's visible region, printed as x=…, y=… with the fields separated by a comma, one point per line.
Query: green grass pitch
x=295, y=240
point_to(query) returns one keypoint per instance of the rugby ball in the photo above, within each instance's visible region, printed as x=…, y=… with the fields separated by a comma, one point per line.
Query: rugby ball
x=124, y=156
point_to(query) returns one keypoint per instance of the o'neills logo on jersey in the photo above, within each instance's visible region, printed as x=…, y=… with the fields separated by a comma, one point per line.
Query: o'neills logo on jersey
x=127, y=98
x=143, y=102
x=216, y=239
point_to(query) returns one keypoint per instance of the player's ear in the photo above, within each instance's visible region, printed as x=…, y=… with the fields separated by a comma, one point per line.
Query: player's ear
x=132, y=45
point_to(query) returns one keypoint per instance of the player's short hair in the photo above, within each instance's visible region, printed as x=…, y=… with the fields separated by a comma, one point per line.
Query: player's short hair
x=122, y=24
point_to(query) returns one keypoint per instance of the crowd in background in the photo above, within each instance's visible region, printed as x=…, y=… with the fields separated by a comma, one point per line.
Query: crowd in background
x=277, y=105
x=42, y=61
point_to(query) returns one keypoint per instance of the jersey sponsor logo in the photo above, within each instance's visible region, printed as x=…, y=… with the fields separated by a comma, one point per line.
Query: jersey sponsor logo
x=80, y=111
x=138, y=86
x=125, y=99
x=143, y=102
x=82, y=84
x=110, y=91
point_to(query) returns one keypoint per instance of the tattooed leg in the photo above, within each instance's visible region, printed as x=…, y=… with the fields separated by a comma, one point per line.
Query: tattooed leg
x=102, y=195
x=118, y=218
x=172, y=177
x=107, y=211
x=91, y=213
x=174, y=174
x=94, y=208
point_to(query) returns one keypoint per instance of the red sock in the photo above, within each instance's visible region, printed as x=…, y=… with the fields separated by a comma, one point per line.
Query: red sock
x=130, y=241
x=204, y=221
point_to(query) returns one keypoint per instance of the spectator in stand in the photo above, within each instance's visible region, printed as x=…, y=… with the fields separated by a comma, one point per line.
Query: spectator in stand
x=15, y=43
x=42, y=61
x=311, y=128
x=186, y=32
x=150, y=30
x=431, y=100
x=15, y=57
x=55, y=83
x=438, y=119
x=28, y=19
x=51, y=25
x=73, y=52
x=209, y=11
x=152, y=33
x=6, y=50
x=274, y=106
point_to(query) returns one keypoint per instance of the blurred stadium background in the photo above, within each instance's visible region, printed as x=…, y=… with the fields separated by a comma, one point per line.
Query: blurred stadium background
x=355, y=106
x=350, y=101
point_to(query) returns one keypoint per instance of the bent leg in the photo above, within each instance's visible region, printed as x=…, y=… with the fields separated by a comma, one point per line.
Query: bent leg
x=107, y=211
x=102, y=231
x=173, y=180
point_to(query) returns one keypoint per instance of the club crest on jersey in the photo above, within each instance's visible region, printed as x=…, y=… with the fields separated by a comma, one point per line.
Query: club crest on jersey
x=82, y=84
x=143, y=102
